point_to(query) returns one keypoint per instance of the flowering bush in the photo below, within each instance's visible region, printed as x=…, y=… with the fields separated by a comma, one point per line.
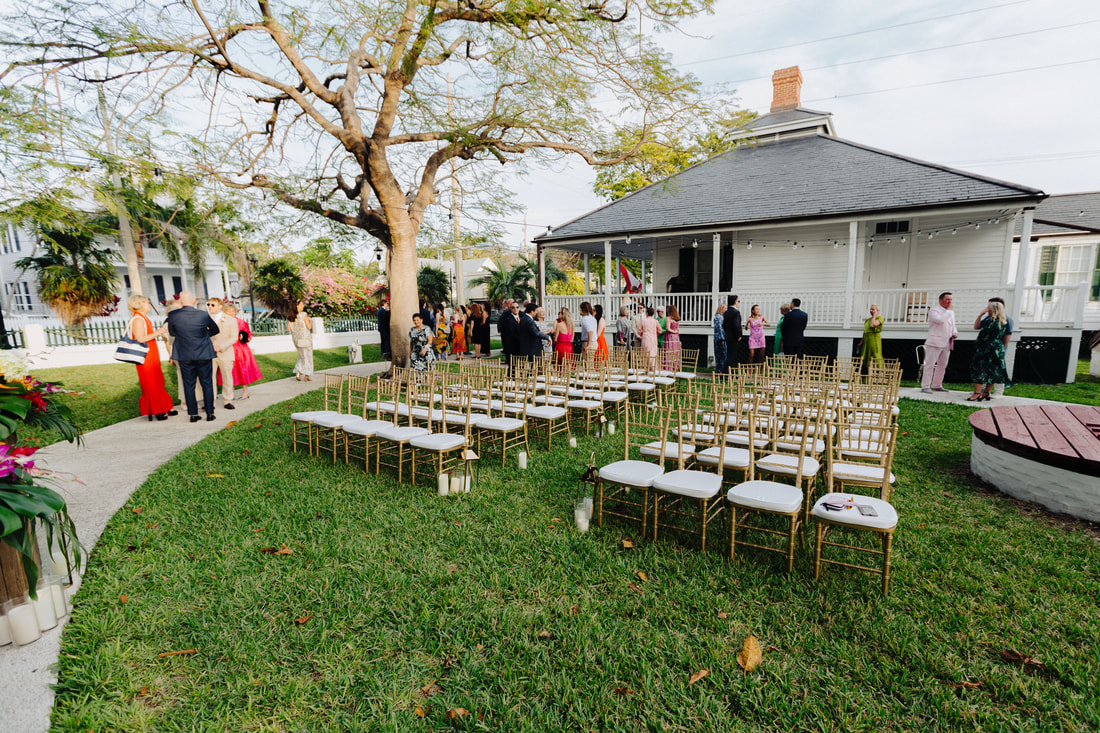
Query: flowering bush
x=336, y=293
x=24, y=503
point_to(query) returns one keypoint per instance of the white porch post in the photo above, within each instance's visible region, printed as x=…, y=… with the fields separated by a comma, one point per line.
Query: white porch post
x=715, y=293
x=850, y=284
x=1021, y=265
x=618, y=274
x=641, y=288
x=586, y=274
x=542, y=276
x=607, y=279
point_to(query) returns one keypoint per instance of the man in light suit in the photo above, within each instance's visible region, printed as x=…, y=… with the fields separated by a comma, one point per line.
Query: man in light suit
x=793, y=330
x=193, y=352
x=228, y=333
x=938, y=344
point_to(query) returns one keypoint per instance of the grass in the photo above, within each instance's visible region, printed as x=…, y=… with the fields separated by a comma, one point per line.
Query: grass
x=104, y=394
x=396, y=606
x=1084, y=391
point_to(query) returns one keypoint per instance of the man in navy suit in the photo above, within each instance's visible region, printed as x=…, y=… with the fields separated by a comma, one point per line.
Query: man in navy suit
x=193, y=352
x=508, y=328
x=530, y=337
x=794, y=329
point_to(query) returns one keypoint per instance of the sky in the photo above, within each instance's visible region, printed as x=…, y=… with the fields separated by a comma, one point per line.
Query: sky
x=1008, y=89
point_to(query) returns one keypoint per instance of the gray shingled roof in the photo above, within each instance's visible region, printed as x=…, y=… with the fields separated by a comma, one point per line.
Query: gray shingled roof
x=783, y=118
x=1070, y=213
x=789, y=179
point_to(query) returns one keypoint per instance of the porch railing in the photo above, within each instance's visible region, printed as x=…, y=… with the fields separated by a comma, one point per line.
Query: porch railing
x=1056, y=305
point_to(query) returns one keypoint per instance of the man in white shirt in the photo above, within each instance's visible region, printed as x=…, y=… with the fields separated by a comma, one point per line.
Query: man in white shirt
x=938, y=345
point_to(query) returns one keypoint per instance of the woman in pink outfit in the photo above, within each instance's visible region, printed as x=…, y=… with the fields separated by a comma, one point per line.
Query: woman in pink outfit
x=648, y=330
x=245, y=369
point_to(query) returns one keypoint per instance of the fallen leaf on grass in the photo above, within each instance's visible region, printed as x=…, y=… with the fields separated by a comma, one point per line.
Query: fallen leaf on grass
x=634, y=588
x=642, y=575
x=259, y=529
x=215, y=475
x=623, y=691
x=628, y=545
x=431, y=689
x=455, y=713
x=246, y=452
x=555, y=519
x=229, y=424
x=138, y=510
x=175, y=654
x=143, y=692
x=284, y=550
x=302, y=620
x=698, y=676
x=750, y=655
x=544, y=634
x=723, y=614
x=1016, y=657
x=152, y=525
x=968, y=685
x=123, y=598
x=419, y=712
x=258, y=425
x=574, y=611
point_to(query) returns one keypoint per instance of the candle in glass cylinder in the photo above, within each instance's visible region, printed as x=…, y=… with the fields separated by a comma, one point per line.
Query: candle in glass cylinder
x=611, y=428
x=23, y=623
x=456, y=484
x=43, y=608
x=580, y=516
x=443, y=484
x=5, y=629
x=467, y=480
x=572, y=442
x=522, y=458
x=57, y=591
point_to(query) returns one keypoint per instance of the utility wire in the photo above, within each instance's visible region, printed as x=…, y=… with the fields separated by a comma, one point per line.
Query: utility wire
x=857, y=33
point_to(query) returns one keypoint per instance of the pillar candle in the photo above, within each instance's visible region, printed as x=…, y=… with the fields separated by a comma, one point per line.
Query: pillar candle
x=60, y=607
x=43, y=608
x=580, y=516
x=572, y=442
x=522, y=460
x=588, y=506
x=611, y=428
x=443, y=484
x=456, y=484
x=57, y=559
x=24, y=624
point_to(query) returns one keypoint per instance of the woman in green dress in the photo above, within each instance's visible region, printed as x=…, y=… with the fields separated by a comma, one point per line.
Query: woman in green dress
x=988, y=366
x=777, y=345
x=872, y=338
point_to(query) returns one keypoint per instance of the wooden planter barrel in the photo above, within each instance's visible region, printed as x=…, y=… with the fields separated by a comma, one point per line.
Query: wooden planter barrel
x=13, y=581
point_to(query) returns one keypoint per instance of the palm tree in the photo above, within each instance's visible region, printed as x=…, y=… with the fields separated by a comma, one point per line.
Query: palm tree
x=279, y=286
x=432, y=283
x=554, y=274
x=504, y=282
x=75, y=277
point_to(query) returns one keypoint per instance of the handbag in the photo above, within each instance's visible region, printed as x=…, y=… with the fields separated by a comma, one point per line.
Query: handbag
x=131, y=351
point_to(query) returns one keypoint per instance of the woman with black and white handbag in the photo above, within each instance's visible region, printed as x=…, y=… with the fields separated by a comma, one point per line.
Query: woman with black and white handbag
x=155, y=400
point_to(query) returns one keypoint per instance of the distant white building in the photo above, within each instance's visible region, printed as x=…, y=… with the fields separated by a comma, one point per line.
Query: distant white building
x=162, y=278
x=471, y=268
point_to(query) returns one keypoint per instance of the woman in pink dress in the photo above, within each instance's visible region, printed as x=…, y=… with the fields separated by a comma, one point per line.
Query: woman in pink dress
x=671, y=348
x=756, y=325
x=245, y=369
x=647, y=331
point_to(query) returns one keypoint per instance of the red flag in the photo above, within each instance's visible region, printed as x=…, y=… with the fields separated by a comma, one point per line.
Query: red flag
x=633, y=284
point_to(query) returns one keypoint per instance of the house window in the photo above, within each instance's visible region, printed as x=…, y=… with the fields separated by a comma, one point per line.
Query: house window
x=158, y=283
x=177, y=285
x=7, y=239
x=22, y=298
x=1048, y=268
x=126, y=281
x=900, y=226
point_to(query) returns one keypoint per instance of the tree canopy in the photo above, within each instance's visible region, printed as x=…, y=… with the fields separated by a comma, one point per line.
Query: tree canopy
x=354, y=110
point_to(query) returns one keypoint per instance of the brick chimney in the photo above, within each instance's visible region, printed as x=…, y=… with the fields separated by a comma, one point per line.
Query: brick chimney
x=786, y=89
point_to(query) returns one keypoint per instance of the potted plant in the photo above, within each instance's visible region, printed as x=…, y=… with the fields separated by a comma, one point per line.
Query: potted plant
x=26, y=506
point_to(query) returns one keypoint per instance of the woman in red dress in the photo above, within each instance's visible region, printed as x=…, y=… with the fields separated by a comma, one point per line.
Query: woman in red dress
x=563, y=335
x=155, y=400
x=245, y=369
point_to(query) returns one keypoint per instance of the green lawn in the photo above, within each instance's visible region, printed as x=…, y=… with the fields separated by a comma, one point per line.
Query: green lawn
x=1085, y=390
x=104, y=394
x=396, y=606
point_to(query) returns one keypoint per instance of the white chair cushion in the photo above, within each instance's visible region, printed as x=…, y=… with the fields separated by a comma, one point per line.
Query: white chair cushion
x=548, y=400
x=584, y=404
x=631, y=473
x=741, y=437
x=812, y=446
x=500, y=424
x=387, y=407
x=685, y=375
x=887, y=516
x=366, y=427
x=546, y=412
x=401, y=434
x=457, y=418
x=640, y=387
x=615, y=396
x=844, y=471
x=438, y=442
x=698, y=432
x=665, y=381
x=788, y=465
x=732, y=458
x=693, y=484
x=335, y=421
x=767, y=496
x=671, y=450
x=311, y=415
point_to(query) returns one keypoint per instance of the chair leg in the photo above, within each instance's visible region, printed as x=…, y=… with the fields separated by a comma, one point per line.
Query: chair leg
x=820, y=537
x=790, y=541
x=733, y=532
x=887, y=542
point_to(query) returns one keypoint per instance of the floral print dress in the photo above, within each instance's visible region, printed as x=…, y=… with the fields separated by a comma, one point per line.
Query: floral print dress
x=421, y=358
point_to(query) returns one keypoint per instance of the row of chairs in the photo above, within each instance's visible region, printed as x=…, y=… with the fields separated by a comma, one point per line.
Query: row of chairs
x=765, y=434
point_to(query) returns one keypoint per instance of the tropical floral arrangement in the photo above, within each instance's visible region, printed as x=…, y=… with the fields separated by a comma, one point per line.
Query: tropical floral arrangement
x=27, y=506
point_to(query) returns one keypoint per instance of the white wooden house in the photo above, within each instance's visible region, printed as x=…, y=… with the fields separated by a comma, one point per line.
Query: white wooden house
x=796, y=211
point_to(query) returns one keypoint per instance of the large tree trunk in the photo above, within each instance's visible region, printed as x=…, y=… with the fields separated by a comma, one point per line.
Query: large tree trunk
x=403, y=296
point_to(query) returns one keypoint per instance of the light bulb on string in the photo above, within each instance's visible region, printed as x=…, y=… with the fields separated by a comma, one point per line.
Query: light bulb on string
x=929, y=235
x=749, y=245
x=903, y=240
x=977, y=226
x=955, y=230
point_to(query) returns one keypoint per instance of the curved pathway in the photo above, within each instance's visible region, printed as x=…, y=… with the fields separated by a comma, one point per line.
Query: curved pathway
x=113, y=462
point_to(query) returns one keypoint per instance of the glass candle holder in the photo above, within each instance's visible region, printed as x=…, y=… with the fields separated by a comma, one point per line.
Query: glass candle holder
x=43, y=606
x=5, y=629
x=56, y=585
x=23, y=621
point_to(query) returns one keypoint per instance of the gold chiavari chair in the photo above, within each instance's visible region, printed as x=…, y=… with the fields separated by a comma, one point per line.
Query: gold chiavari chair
x=392, y=443
x=302, y=422
x=329, y=429
x=505, y=424
x=851, y=514
x=623, y=487
x=359, y=435
x=450, y=431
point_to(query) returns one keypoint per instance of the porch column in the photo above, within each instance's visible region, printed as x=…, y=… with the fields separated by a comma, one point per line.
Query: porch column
x=607, y=279
x=1021, y=266
x=618, y=274
x=850, y=284
x=542, y=275
x=715, y=293
x=641, y=288
x=586, y=273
